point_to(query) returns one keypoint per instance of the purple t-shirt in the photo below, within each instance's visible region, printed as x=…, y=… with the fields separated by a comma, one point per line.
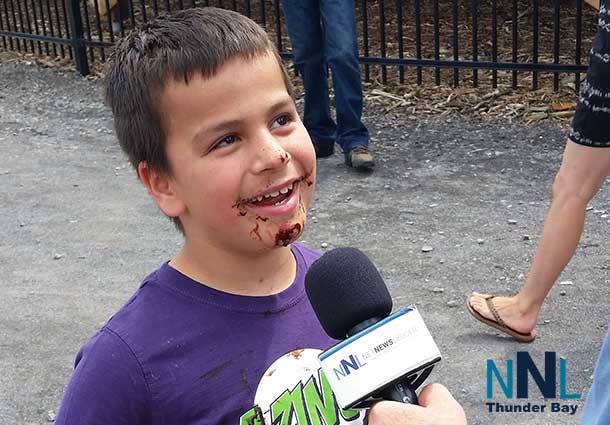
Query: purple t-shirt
x=181, y=353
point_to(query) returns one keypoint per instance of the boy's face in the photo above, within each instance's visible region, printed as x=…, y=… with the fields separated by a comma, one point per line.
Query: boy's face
x=243, y=165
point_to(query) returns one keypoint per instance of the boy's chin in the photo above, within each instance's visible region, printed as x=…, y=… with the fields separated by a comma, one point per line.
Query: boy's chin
x=278, y=235
x=288, y=233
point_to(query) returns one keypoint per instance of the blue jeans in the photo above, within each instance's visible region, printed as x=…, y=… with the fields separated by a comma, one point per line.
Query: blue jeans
x=597, y=405
x=323, y=35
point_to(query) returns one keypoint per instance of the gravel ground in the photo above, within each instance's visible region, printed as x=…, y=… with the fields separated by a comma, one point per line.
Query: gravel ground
x=78, y=233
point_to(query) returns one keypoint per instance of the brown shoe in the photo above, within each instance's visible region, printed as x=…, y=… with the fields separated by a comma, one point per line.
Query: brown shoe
x=360, y=157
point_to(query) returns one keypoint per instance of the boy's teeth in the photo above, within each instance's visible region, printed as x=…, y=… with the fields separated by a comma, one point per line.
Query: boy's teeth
x=282, y=191
x=272, y=195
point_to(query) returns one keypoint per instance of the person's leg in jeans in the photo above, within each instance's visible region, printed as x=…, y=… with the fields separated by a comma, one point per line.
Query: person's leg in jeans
x=341, y=54
x=306, y=36
x=597, y=406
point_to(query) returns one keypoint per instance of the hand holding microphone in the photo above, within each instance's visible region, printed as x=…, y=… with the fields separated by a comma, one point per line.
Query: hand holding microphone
x=384, y=356
x=437, y=407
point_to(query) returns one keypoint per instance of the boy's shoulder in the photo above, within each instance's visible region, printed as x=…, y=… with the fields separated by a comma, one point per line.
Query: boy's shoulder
x=166, y=298
x=138, y=316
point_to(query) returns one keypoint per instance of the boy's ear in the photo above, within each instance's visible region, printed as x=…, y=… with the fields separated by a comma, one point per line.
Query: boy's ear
x=161, y=189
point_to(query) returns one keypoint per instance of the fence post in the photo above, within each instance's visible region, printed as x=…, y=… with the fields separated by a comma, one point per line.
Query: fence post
x=77, y=36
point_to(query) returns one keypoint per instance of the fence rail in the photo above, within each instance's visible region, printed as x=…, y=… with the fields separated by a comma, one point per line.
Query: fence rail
x=432, y=41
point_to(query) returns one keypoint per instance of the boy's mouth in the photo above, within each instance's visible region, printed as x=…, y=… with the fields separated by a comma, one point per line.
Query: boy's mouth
x=275, y=198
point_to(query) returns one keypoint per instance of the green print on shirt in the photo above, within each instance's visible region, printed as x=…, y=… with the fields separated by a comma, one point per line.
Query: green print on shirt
x=307, y=404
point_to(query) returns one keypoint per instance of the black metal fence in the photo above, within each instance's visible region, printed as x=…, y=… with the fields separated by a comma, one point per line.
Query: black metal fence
x=437, y=41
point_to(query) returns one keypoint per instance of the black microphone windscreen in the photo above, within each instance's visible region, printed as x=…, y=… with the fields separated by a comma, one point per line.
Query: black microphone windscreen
x=345, y=289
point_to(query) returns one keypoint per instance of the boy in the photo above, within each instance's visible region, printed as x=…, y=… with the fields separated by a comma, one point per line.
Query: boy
x=223, y=333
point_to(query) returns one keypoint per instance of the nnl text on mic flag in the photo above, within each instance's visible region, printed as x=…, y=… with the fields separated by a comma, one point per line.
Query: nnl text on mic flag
x=382, y=356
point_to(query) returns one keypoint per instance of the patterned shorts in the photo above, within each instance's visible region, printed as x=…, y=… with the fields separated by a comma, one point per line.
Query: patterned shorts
x=591, y=123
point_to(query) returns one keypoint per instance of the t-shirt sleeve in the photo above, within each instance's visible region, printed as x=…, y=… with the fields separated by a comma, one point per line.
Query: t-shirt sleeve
x=107, y=387
x=591, y=123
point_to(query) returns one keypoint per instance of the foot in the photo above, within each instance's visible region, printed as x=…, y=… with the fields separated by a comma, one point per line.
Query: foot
x=360, y=157
x=509, y=308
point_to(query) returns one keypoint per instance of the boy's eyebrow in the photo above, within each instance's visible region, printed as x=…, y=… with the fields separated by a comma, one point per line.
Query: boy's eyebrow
x=231, y=124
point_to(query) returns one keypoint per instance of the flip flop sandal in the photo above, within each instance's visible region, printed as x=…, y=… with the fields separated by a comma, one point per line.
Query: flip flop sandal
x=498, y=323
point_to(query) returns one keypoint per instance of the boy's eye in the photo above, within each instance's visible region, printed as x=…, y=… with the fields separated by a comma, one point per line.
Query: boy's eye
x=225, y=141
x=281, y=121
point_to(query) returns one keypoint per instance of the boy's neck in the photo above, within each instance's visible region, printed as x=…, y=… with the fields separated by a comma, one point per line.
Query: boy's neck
x=265, y=274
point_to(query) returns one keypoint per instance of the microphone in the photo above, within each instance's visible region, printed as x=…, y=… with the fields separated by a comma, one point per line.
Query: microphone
x=382, y=356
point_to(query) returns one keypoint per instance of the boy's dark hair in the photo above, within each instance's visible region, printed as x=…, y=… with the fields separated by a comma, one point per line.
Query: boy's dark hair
x=172, y=46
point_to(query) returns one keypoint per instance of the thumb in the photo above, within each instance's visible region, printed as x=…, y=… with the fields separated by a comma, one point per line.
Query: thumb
x=435, y=395
x=437, y=398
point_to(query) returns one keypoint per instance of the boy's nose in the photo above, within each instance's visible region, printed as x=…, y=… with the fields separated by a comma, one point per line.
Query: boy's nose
x=269, y=155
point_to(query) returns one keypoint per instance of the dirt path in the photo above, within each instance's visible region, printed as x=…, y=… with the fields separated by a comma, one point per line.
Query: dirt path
x=77, y=233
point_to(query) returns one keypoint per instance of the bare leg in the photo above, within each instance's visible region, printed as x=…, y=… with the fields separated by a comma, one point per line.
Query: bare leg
x=579, y=178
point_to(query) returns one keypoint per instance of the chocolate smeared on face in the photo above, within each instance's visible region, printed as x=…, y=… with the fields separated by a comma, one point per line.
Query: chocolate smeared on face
x=241, y=208
x=258, y=217
x=308, y=179
x=254, y=233
x=287, y=233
